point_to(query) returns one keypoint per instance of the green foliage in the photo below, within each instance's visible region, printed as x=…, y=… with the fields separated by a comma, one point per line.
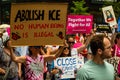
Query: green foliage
x=79, y=7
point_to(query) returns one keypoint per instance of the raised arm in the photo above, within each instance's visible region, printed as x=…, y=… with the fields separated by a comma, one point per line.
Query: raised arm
x=18, y=59
x=57, y=53
x=84, y=46
x=113, y=38
x=42, y=51
x=19, y=69
x=52, y=57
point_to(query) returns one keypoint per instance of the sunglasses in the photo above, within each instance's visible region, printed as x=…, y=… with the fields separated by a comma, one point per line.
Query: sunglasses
x=37, y=47
x=71, y=42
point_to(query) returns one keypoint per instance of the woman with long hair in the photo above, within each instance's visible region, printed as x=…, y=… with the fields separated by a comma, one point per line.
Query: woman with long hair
x=34, y=62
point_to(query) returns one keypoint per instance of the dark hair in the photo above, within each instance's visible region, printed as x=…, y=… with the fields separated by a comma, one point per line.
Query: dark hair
x=30, y=52
x=5, y=43
x=69, y=54
x=118, y=35
x=37, y=47
x=97, y=43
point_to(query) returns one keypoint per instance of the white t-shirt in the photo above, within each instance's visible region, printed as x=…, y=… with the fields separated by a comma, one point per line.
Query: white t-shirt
x=74, y=52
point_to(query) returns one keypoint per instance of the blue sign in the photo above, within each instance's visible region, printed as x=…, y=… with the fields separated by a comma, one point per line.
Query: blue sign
x=68, y=65
x=118, y=25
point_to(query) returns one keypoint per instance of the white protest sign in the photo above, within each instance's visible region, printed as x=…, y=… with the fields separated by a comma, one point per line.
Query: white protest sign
x=68, y=65
x=109, y=15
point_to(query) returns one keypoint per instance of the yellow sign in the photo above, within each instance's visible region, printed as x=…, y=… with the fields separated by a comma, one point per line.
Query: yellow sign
x=36, y=24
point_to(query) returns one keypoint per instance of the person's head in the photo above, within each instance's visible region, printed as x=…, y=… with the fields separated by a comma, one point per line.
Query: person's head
x=34, y=50
x=117, y=39
x=100, y=45
x=66, y=52
x=70, y=41
x=7, y=44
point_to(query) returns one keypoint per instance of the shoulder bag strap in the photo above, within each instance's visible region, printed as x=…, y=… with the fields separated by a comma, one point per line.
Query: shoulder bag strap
x=7, y=70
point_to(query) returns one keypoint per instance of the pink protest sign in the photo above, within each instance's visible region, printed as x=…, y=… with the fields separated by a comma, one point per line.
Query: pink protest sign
x=79, y=24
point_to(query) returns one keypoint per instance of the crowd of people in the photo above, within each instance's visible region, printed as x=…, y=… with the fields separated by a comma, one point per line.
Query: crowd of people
x=39, y=61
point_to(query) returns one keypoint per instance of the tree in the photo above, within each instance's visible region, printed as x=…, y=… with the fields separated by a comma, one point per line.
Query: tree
x=79, y=7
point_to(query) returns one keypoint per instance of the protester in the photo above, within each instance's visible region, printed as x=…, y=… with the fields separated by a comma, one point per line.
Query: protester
x=116, y=51
x=44, y=51
x=3, y=36
x=50, y=48
x=34, y=62
x=98, y=68
x=57, y=72
x=7, y=66
x=75, y=51
x=79, y=49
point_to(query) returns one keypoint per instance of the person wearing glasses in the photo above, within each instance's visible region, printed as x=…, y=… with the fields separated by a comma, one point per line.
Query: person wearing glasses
x=79, y=49
x=56, y=71
x=98, y=68
x=75, y=51
x=34, y=62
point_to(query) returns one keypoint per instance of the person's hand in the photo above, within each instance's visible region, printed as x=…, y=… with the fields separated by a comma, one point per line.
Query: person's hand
x=117, y=78
x=66, y=44
x=49, y=49
x=54, y=71
x=2, y=71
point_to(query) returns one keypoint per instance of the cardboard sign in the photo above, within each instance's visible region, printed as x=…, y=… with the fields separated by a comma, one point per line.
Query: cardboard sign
x=68, y=65
x=109, y=15
x=38, y=23
x=79, y=24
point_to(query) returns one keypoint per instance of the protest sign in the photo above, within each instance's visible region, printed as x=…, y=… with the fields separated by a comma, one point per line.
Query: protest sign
x=68, y=65
x=103, y=28
x=79, y=24
x=109, y=15
x=38, y=23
